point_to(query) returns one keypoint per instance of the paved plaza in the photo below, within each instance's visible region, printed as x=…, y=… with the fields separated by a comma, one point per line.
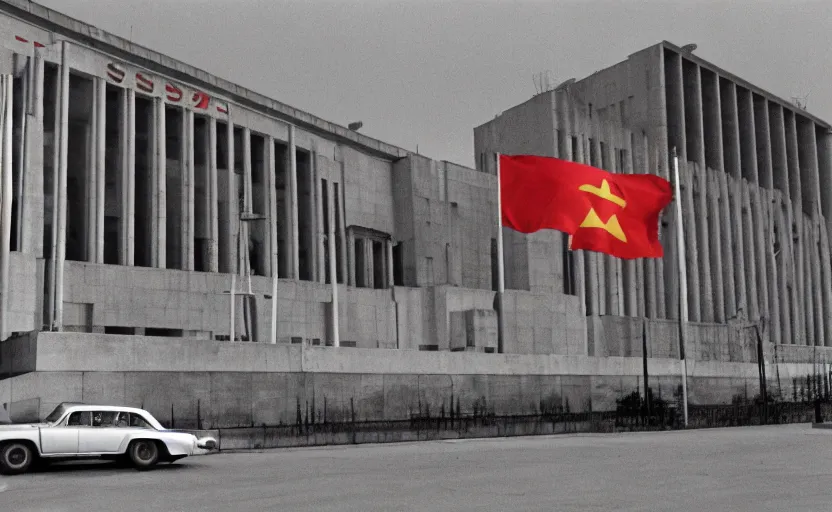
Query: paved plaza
x=758, y=469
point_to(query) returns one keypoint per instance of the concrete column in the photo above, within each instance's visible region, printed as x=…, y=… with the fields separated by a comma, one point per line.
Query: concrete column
x=826, y=277
x=233, y=207
x=160, y=202
x=711, y=187
x=730, y=128
x=390, y=278
x=100, y=166
x=769, y=291
x=762, y=137
x=315, y=180
x=808, y=296
x=694, y=129
x=817, y=279
x=353, y=263
x=615, y=299
x=692, y=255
x=34, y=201
x=580, y=256
x=270, y=181
x=6, y=195
x=293, y=257
x=369, y=262
x=747, y=257
x=699, y=180
x=712, y=112
x=590, y=263
x=128, y=179
x=187, y=170
x=245, y=227
x=824, y=145
x=739, y=248
x=779, y=157
x=62, y=186
x=213, y=198
x=747, y=136
x=809, y=163
x=651, y=269
x=675, y=88
x=749, y=231
x=600, y=261
x=783, y=269
x=91, y=179
x=342, y=227
x=794, y=260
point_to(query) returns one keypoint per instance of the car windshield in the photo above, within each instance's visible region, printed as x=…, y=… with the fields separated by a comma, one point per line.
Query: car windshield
x=56, y=414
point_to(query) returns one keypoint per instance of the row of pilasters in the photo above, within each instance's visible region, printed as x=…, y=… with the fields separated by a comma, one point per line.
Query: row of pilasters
x=758, y=173
x=109, y=187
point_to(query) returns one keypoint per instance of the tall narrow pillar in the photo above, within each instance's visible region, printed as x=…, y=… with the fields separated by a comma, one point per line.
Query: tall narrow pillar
x=708, y=301
x=715, y=221
x=808, y=295
x=270, y=179
x=351, y=246
x=213, y=197
x=293, y=258
x=748, y=231
x=33, y=206
x=62, y=187
x=692, y=255
x=245, y=227
x=317, y=226
x=6, y=184
x=187, y=170
x=389, y=264
x=740, y=245
x=762, y=137
x=342, y=226
x=763, y=200
x=817, y=278
x=783, y=260
x=160, y=168
x=100, y=166
x=826, y=277
x=91, y=178
x=232, y=206
x=128, y=178
x=590, y=260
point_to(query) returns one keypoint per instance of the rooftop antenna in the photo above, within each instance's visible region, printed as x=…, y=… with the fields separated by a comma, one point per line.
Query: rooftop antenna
x=801, y=102
x=542, y=81
x=688, y=48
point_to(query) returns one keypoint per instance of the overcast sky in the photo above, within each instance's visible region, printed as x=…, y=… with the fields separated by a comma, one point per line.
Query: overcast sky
x=425, y=73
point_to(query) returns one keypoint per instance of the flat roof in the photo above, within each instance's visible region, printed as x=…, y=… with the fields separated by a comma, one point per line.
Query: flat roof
x=744, y=83
x=92, y=36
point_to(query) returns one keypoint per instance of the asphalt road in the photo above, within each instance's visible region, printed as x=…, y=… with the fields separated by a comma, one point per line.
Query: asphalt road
x=756, y=469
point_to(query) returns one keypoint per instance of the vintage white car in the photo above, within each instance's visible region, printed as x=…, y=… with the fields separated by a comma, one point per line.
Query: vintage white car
x=80, y=431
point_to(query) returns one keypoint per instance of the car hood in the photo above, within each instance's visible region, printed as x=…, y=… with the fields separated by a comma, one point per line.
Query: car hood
x=20, y=426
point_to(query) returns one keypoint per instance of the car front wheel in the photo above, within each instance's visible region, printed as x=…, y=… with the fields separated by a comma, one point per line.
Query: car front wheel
x=144, y=454
x=15, y=458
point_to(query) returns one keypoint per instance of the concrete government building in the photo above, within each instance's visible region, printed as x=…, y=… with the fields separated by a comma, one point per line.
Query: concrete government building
x=130, y=173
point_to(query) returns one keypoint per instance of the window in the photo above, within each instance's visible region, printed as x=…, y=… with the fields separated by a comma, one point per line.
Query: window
x=80, y=419
x=104, y=418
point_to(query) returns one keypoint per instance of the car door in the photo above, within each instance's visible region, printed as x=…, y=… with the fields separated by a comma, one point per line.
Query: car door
x=63, y=438
x=105, y=436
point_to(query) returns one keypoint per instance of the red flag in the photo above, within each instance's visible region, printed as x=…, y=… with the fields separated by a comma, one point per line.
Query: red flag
x=616, y=214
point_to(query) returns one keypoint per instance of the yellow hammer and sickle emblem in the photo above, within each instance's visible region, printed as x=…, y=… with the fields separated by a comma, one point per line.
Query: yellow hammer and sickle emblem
x=592, y=219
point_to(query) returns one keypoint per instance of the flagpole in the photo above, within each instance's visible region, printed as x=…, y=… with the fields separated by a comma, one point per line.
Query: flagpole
x=683, y=284
x=501, y=279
